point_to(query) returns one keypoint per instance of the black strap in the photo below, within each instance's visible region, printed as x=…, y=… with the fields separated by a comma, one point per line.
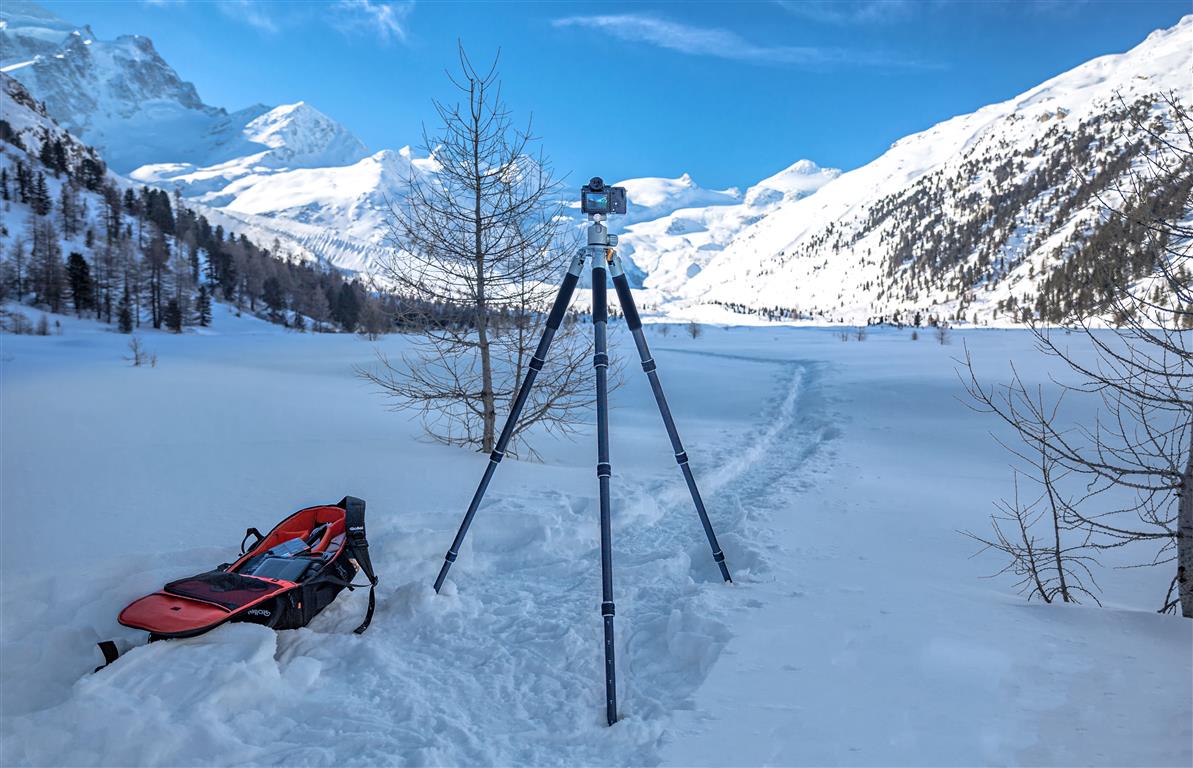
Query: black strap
x=247, y=533
x=368, y=613
x=110, y=652
x=354, y=514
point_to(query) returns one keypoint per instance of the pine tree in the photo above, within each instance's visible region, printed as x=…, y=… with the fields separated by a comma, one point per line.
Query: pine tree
x=78, y=281
x=347, y=308
x=59, y=151
x=274, y=298
x=68, y=211
x=46, y=267
x=4, y=184
x=124, y=312
x=173, y=316
x=203, y=307
x=39, y=196
x=46, y=155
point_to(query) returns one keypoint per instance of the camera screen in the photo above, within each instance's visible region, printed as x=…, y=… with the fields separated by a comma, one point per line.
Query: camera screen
x=596, y=202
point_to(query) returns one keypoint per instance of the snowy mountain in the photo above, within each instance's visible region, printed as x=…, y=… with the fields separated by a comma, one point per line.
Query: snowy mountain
x=988, y=215
x=121, y=97
x=685, y=229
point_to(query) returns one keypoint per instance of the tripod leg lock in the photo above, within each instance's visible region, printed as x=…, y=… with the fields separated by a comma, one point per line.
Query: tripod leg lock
x=648, y=365
x=600, y=360
x=607, y=608
x=536, y=364
x=681, y=457
x=450, y=556
x=496, y=456
x=604, y=469
x=718, y=556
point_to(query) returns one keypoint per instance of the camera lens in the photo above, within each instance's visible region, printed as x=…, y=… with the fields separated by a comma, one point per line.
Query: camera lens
x=597, y=183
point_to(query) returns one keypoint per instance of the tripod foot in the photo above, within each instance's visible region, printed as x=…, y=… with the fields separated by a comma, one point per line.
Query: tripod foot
x=719, y=557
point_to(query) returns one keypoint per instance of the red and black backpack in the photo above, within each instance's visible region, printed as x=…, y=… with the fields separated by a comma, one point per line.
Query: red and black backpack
x=282, y=581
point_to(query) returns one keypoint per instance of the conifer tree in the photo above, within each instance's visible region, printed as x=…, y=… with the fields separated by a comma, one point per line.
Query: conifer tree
x=173, y=316
x=347, y=308
x=203, y=307
x=124, y=312
x=39, y=195
x=274, y=299
x=78, y=281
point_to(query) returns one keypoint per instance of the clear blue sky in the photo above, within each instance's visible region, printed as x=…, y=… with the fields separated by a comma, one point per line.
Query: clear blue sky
x=728, y=92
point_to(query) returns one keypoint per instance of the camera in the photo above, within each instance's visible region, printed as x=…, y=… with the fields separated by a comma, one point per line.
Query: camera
x=595, y=197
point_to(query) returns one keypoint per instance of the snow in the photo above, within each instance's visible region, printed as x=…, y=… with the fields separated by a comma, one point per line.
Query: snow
x=682, y=232
x=289, y=172
x=758, y=267
x=859, y=630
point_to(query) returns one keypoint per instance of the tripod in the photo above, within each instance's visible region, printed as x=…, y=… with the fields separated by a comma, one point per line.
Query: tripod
x=604, y=258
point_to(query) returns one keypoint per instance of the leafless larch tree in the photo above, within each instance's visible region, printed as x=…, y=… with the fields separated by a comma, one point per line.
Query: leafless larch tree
x=479, y=246
x=1127, y=478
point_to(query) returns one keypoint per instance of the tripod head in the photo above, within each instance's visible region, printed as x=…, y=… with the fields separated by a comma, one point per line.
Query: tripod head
x=600, y=201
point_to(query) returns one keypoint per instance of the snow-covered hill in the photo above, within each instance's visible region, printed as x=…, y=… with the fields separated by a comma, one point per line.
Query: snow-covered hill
x=990, y=216
x=685, y=231
x=121, y=97
x=979, y=210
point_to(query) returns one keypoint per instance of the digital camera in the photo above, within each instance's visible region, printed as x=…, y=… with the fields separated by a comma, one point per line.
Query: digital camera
x=595, y=197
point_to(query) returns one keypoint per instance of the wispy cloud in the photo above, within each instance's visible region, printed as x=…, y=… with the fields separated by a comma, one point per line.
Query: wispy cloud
x=256, y=15
x=385, y=20
x=726, y=44
x=847, y=12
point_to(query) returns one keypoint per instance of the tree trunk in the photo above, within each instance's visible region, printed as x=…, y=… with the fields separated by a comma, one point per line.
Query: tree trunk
x=482, y=310
x=1184, y=541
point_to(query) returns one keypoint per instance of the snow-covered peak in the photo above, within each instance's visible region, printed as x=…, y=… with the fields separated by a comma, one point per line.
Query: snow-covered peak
x=303, y=136
x=654, y=197
x=27, y=30
x=799, y=179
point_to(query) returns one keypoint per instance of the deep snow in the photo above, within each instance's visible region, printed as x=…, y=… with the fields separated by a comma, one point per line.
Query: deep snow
x=860, y=629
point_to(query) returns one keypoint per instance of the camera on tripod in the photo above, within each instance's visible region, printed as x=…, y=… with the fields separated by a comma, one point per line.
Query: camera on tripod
x=595, y=197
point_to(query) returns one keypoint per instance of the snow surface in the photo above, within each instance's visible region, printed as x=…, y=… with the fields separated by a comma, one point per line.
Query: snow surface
x=859, y=630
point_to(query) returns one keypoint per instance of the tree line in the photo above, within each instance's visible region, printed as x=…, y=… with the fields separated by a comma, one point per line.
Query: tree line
x=141, y=256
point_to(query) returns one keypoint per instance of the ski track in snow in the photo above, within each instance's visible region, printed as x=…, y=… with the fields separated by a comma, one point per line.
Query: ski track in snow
x=504, y=667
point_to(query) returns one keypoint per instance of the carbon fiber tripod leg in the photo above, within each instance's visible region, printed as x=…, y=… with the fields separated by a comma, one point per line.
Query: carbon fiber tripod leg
x=562, y=300
x=600, y=362
x=634, y=323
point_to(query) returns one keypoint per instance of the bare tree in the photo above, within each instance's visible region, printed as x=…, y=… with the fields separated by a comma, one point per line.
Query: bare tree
x=138, y=355
x=478, y=248
x=1134, y=465
x=694, y=329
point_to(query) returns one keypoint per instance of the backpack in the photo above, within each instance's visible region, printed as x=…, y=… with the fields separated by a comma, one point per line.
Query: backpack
x=282, y=581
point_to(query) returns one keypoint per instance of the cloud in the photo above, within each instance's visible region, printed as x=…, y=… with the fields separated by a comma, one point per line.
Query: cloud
x=385, y=20
x=847, y=11
x=254, y=14
x=726, y=44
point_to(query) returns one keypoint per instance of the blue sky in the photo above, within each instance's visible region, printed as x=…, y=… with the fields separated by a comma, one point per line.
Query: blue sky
x=727, y=92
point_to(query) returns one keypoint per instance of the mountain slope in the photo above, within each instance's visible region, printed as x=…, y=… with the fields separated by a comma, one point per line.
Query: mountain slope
x=672, y=247
x=970, y=217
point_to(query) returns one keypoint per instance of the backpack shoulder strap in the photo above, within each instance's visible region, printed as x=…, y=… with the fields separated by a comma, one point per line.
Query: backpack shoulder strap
x=354, y=514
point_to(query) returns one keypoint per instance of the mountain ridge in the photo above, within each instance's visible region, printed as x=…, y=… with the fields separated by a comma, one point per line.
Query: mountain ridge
x=941, y=224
